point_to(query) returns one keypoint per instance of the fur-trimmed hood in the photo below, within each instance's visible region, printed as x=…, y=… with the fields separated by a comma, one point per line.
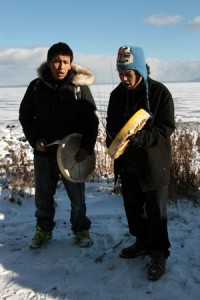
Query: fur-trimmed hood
x=78, y=75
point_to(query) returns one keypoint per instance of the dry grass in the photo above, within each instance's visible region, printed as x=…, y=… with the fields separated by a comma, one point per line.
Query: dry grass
x=185, y=173
x=104, y=164
x=18, y=170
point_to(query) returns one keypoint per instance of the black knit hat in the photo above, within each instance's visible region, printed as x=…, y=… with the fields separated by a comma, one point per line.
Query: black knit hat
x=59, y=48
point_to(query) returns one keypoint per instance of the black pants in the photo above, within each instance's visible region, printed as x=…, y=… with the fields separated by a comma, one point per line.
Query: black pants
x=146, y=213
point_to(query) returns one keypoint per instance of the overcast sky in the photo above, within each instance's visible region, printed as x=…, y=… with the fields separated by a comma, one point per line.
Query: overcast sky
x=168, y=31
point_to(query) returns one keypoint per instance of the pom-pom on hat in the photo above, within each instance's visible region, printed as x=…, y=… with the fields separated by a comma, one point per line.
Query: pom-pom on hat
x=132, y=58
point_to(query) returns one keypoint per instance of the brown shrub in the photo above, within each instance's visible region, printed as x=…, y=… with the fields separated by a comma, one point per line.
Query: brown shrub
x=185, y=174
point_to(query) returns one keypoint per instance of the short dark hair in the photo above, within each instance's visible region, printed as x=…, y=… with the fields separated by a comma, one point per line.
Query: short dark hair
x=59, y=48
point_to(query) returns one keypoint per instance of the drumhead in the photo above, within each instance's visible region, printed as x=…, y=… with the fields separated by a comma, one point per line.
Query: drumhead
x=120, y=142
x=70, y=169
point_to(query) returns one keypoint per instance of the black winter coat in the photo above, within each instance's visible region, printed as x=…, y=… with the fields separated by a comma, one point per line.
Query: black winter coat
x=52, y=110
x=151, y=154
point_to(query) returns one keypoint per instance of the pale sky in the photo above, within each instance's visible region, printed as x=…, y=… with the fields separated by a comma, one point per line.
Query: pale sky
x=168, y=31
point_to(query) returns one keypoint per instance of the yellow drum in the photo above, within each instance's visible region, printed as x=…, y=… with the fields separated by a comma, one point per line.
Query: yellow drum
x=120, y=142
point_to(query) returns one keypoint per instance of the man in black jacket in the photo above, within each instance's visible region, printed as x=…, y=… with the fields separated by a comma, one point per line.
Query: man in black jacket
x=57, y=104
x=144, y=167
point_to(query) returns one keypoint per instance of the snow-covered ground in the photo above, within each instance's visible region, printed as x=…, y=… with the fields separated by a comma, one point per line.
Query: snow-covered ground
x=63, y=271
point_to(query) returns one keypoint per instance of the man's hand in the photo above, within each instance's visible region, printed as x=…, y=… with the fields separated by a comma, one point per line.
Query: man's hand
x=41, y=145
x=137, y=139
x=81, y=155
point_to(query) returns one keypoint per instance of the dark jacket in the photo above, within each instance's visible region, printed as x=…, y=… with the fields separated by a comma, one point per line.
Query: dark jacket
x=151, y=153
x=51, y=110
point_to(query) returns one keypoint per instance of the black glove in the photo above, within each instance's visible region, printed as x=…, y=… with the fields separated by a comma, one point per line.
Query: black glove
x=137, y=139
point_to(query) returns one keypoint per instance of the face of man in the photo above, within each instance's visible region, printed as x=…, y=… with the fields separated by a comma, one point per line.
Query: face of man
x=129, y=78
x=59, y=66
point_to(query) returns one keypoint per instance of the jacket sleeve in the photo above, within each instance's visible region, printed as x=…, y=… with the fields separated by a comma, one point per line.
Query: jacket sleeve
x=27, y=115
x=89, y=120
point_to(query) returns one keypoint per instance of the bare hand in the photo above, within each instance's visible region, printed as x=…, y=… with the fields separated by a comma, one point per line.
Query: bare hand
x=41, y=145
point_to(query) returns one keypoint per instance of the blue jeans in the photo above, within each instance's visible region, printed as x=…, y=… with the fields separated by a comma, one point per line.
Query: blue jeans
x=47, y=174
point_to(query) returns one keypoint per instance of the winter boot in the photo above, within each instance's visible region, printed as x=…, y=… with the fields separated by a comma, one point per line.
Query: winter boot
x=40, y=238
x=83, y=238
x=157, y=265
x=137, y=249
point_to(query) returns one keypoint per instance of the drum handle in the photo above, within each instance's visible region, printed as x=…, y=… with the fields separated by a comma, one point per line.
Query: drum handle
x=57, y=142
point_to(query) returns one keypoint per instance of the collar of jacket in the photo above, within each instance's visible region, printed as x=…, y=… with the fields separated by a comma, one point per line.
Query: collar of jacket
x=78, y=75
